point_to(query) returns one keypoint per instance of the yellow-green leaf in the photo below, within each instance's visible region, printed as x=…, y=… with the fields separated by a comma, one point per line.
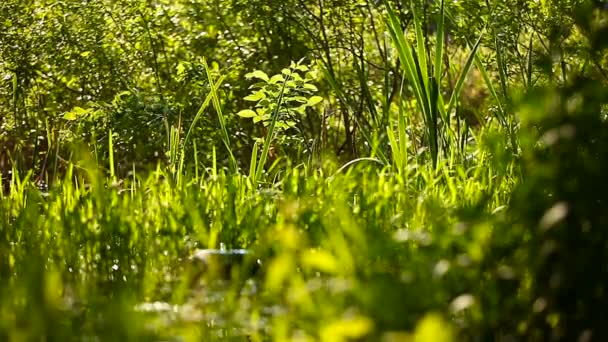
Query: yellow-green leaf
x=314, y=100
x=302, y=68
x=347, y=329
x=76, y=113
x=246, y=113
x=276, y=79
x=310, y=87
x=259, y=95
x=257, y=74
x=320, y=260
x=433, y=328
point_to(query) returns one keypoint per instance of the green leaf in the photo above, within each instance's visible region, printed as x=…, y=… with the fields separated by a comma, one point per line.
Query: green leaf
x=181, y=69
x=76, y=113
x=310, y=87
x=247, y=113
x=463, y=74
x=302, y=68
x=261, y=111
x=257, y=74
x=314, y=100
x=257, y=85
x=276, y=79
x=258, y=95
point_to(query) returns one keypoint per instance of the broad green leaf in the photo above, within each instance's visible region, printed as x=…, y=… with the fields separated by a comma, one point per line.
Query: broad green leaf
x=276, y=79
x=258, y=95
x=314, y=100
x=310, y=87
x=354, y=328
x=257, y=74
x=261, y=111
x=302, y=68
x=247, y=113
x=433, y=328
x=320, y=260
x=301, y=109
x=257, y=85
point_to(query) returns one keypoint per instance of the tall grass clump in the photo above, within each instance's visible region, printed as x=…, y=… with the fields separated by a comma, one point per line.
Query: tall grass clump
x=423, y=72
x=119, y=251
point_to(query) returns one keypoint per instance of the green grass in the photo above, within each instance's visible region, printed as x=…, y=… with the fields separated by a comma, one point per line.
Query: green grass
x=429, y=233
x=370, y=249
x=78, y=260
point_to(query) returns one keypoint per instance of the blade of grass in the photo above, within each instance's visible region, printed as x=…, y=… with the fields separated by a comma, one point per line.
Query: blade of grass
x=439, y=44
x=254, y=159
x=501, y=67
x=270, y=134
x=401, y=125
x=395, y=148
x=201, y=109
x=463, y=75
x=222, y=119
x=404, y=51
x=111, y=156
x=488, y=81
x=421, y=51
x=415, y=68
x=529, y=64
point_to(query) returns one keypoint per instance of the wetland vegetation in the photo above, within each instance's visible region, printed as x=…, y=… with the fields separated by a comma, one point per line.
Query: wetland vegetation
x=333, y=170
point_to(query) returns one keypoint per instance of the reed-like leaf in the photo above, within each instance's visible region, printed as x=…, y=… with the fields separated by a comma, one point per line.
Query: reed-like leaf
x=463, y=75
x=484, y=73
x=439, y=44
x=254, y=159
x=270, y=134
x=218, y=108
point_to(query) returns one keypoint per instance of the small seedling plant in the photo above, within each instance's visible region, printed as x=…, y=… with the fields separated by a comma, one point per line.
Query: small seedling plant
x=289, y=94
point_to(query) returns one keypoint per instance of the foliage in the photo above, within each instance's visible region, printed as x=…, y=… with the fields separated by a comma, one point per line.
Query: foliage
x=433, y=173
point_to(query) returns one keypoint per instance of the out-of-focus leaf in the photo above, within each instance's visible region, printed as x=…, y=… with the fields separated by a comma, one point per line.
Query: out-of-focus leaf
x=347, y=329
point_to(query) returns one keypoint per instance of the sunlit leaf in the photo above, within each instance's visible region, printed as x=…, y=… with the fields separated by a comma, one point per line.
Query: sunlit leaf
x=310, y=87
x=433, y=328
x=258, y=95
x=302, y=68
x=320, y=260
x=257, y=74
x=347, y=329
x=246, y=113
x=276, y=79
x=314, y=100
x=76, y=113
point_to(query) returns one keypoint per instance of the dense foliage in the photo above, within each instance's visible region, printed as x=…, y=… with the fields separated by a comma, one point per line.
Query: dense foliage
x=398, y=170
